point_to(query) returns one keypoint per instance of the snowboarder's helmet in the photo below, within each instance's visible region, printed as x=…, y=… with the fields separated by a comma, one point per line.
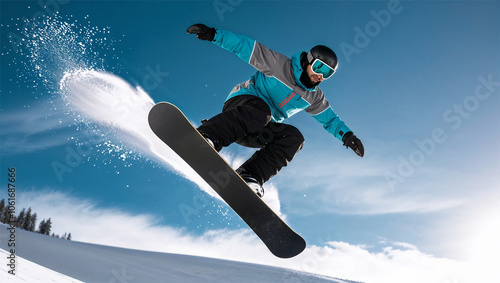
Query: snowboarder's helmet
x=323, y=60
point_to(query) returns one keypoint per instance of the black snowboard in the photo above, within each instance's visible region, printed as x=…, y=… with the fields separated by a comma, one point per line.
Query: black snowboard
x=173, y=128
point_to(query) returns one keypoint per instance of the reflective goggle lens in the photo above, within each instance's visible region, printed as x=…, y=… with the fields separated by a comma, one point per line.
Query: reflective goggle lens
x=320, y=68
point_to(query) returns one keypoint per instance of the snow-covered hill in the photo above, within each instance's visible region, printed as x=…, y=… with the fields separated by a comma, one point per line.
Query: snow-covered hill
x=30, y=272
x=42, y=258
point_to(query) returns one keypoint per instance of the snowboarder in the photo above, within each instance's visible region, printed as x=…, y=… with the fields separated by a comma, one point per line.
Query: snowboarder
x=281, y=87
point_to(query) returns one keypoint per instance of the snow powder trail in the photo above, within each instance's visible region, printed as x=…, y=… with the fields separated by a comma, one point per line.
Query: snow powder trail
x=67, y=58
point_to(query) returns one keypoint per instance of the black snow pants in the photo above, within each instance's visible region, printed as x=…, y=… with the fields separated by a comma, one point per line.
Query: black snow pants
x=246, y=120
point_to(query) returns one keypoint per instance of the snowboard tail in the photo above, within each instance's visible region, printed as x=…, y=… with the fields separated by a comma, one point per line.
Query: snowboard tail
x=174, y=129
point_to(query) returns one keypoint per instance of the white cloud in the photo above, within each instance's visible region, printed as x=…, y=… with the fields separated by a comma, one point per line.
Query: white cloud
x=32, y=129
x=397, y=262
x=476, y=228
x=357, y=186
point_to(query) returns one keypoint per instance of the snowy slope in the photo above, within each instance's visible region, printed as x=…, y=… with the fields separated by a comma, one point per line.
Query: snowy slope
x=31, y=272
x=96, y=263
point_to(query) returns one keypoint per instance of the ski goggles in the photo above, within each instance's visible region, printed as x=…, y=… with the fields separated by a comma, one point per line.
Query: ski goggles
x=321, y=68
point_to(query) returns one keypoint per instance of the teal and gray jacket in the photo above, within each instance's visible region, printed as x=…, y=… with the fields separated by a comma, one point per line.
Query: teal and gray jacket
x=277, y=82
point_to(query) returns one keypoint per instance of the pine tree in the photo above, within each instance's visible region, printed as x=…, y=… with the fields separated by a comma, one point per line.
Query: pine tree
x=27, y=220
x=48, y=226
x=32, y=224
x=2, y=207
x=21, y=218
x=41, y=227
x=5, y=216
x=68, y=237
x=4, y=212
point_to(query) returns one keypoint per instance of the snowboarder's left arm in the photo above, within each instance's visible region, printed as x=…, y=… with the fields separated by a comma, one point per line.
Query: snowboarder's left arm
x=323, y=113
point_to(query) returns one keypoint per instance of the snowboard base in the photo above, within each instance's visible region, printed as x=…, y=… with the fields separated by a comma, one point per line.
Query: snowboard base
x=175, y=130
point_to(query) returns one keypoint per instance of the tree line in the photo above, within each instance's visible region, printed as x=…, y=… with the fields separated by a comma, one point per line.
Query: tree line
x=27, y=220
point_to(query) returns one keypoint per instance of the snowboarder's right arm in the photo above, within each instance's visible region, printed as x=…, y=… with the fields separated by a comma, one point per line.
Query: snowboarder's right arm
x=259, y=56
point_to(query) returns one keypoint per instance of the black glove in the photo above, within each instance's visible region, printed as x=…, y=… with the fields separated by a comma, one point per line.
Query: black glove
x=350, y=140
x=202, y=32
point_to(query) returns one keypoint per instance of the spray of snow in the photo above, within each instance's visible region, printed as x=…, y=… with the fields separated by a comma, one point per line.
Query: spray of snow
x=111, y=102
x=67, y=58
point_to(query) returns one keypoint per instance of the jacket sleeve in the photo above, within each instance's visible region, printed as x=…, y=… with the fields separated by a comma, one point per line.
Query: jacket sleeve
x=332, y=123
x=323, y=113
x=257, y=55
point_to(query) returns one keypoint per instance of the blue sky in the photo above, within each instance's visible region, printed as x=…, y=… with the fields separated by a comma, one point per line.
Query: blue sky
x=418, y=82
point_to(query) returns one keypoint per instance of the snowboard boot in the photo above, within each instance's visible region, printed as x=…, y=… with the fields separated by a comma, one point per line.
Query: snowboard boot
x=251, y=182
x=216, y=145
x=212, y=143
